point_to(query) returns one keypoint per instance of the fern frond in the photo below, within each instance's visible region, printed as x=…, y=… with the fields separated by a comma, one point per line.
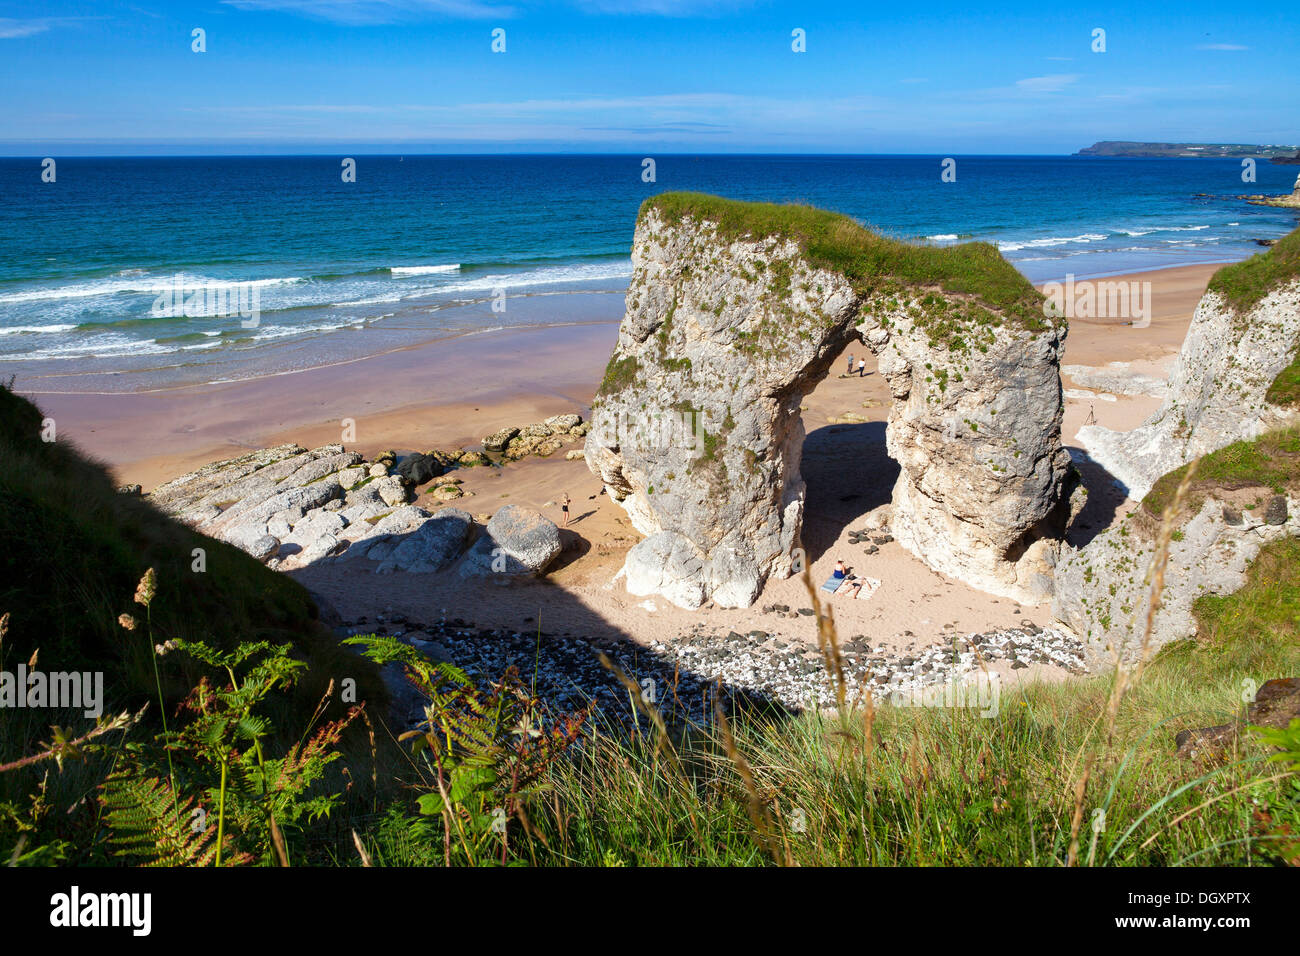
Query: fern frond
x=150, y=825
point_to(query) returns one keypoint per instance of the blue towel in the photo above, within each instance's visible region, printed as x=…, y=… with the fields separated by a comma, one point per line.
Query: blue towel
x=832, y=584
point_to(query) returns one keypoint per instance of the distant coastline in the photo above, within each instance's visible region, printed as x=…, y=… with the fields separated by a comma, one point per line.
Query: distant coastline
x=1126, y=148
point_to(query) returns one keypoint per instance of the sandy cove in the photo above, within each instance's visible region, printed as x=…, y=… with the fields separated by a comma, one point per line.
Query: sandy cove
x=489, y=381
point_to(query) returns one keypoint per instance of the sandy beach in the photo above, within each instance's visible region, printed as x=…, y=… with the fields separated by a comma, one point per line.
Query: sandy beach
x=448, y=394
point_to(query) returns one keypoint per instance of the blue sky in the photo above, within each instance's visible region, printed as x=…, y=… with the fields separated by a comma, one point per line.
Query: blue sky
x=639, y=75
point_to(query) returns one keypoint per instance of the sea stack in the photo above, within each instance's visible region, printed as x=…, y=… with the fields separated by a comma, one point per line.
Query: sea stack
x=735, y=312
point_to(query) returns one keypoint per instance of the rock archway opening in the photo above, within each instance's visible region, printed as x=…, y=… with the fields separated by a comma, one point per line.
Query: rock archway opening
x=846, y=467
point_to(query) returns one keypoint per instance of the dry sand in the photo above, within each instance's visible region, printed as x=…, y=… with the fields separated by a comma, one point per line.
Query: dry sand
x=449, y=394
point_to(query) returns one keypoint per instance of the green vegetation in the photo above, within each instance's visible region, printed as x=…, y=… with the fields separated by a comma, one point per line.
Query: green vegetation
x=75, y=549
x=619, y=374
x=1270, y=462
x=1242, y=285
x=873, y=264
x=496, y=776
x=1285, y=390
x=1263, y=618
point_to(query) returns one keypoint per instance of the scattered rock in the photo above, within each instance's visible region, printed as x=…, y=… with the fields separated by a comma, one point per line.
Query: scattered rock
x=432, y=546
x=517, y=542
x=498, y=441
x=1276, y=513
x=265, y=547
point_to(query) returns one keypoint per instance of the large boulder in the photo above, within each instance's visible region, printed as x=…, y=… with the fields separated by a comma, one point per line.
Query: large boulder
x=432, y=546
x=696, y=430
x=518, y=542
x=419, y=469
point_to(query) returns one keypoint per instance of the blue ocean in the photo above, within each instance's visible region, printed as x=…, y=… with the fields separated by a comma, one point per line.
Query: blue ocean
x=417, y=247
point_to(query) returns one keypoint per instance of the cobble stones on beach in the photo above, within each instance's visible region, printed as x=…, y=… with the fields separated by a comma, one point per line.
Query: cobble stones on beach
x=681, y=675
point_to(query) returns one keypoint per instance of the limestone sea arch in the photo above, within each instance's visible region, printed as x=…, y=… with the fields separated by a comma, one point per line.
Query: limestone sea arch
x=735, y=312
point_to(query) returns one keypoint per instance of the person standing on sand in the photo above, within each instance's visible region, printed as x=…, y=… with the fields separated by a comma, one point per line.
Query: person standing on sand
x=564, y=507
x=849, y=370
x=862, y=368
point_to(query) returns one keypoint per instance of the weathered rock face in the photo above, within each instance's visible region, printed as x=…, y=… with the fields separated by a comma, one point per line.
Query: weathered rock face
x=697, y=431
x=1216, y=393
x=517, y=543
x=1103, y=591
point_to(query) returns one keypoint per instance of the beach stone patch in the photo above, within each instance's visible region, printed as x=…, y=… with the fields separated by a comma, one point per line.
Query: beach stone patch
x=542, y=438
x=517, y=542
x=681, y=674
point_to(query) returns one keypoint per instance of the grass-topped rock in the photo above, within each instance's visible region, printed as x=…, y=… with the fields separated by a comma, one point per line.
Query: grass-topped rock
x=1237, y=376
x=735, y=312
x=1241, y=497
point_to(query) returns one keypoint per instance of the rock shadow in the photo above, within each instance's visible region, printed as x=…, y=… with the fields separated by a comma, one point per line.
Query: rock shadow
x=1105, y=498
x=847, y=472
x=488, y=623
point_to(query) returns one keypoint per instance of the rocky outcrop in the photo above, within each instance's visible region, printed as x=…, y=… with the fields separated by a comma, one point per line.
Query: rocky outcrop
x=1276, y=704
x=517, y=543
x=1103, y=590
x=1115, y=378
x=350, y=511
x=1286, y=201
x=696, y=430
x=542, y=438
x=1217, y=391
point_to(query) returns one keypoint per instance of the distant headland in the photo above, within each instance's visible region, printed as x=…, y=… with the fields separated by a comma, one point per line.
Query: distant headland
x=1277, y=154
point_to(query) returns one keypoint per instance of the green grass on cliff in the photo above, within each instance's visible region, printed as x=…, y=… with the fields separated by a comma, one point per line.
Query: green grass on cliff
x=1285, y=390
x=872, y=263
x=74, y=550
x=1270, y=463
x=1243, y=284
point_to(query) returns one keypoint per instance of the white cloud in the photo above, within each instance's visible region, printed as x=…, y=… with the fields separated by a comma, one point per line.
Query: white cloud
x=1053, y=83
x=1222, y=46
x=11, y=29
x=359, y=12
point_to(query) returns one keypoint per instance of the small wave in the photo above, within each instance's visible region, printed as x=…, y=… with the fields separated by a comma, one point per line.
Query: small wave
x=423, y=270
x=1051, y=241
x=125, y=286
x=511, y=282
x=37, y=329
